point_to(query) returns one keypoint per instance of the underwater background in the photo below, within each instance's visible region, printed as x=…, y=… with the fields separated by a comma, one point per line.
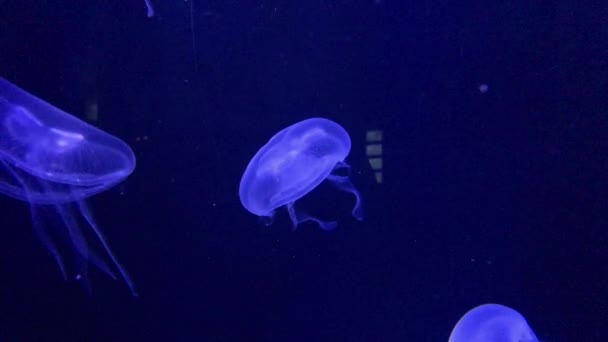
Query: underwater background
x=479, y=147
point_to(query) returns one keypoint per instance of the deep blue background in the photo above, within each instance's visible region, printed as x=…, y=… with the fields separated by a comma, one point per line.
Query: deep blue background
x=496, y=197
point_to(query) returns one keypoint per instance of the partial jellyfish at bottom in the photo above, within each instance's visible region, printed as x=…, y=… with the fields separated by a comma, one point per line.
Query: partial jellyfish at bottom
x=492, y=323
x=54, y=162
x=294, y=162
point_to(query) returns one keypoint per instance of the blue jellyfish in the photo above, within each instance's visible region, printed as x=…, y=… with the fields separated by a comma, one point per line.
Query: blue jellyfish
x=54, y=162
x=492, y=323
x=149, y=8
x=291, y=164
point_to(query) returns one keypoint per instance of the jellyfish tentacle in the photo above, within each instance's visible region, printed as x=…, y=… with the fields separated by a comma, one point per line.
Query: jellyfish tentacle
x=343, y=183
x=298, y=218
x=80, y=244
x=47, y=241
x=149, y=8
x=89, y=218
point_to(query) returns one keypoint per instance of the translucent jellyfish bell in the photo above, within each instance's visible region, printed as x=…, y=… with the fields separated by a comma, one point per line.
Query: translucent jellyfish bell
x=492, y=323
x=291, y=164
x=54, y=162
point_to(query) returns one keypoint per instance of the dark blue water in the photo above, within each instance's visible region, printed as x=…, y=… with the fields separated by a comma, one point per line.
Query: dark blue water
x=495, y=196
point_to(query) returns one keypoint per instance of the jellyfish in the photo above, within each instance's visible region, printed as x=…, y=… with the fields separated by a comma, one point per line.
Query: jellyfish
x=149, y=8
x=492, y=323
x=291, y=164
x=54, y=162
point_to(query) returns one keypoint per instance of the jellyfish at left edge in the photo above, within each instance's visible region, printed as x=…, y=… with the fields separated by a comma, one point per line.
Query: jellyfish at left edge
x=55, y=162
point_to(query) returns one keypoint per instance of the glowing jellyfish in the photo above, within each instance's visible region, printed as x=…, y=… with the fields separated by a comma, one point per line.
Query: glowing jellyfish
x=492, y=323
x=291, y=164
x=54, y=161
x=150, y=9
x=483, y=88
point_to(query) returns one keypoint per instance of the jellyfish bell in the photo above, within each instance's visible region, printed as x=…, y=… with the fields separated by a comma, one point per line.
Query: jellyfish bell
x=294, y=162
x=54, y=162
x=492, y=322
x=43, y=143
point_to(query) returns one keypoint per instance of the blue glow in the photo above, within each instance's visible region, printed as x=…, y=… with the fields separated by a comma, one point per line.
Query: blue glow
x=294, y=162
x=492, y=323
x=54, y=162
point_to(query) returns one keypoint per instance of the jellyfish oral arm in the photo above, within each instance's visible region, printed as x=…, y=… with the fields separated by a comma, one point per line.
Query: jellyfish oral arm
x=298, y=218
x=150, y=9
x=343, y=183
x=89, y=218
x=46, y=240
